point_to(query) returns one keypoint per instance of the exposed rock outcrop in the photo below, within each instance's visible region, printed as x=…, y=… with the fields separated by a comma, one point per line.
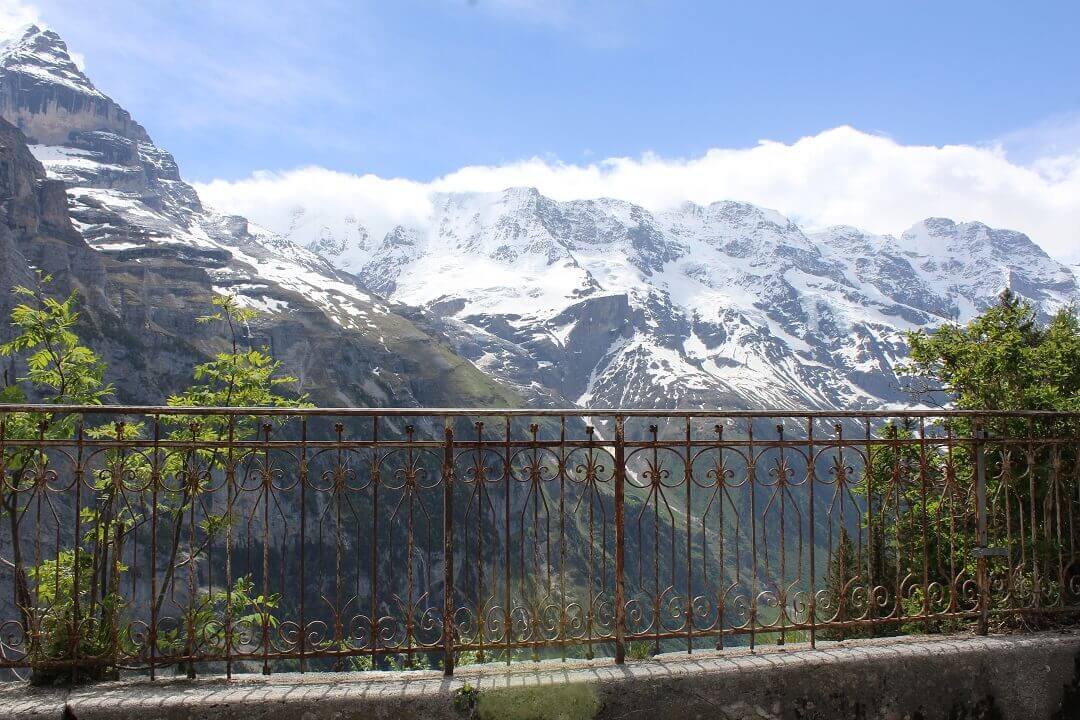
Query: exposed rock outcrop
x=95, y=203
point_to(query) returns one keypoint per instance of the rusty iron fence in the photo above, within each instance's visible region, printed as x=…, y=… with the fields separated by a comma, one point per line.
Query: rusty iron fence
x=245, y=539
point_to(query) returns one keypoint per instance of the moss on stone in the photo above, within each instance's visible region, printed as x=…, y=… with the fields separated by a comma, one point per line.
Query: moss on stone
x=571, y=701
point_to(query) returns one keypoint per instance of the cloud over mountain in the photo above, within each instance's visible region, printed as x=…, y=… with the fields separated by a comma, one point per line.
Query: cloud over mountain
x=839, y=176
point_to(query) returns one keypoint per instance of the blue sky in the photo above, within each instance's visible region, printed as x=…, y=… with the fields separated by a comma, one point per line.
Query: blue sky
x=418, y=88
x=865, y=113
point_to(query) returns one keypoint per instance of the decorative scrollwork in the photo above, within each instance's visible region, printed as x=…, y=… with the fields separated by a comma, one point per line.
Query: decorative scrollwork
x=185, y=542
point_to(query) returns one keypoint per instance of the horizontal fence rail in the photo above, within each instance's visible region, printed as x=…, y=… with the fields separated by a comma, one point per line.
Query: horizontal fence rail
x=226, y=539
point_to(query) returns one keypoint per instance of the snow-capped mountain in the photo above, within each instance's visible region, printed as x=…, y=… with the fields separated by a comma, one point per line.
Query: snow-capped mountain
x=594, y=302
x=127, y=197
x=607, y=304
x=164, y=254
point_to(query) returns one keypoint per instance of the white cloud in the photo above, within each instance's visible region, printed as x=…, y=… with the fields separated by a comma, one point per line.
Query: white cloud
x=14, y=16
x=1046, y=141
x=327, y=198
x=840, y=176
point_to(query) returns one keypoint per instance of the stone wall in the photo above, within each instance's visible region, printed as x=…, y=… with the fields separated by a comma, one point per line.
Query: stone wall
x=960, y=678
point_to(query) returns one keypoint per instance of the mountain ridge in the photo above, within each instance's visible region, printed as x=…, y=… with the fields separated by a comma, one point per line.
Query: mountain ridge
x=160, y=256
x=587, y=301
x=725, y=301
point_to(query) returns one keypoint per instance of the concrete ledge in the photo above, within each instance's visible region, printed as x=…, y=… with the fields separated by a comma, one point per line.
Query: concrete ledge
x=1021, y=677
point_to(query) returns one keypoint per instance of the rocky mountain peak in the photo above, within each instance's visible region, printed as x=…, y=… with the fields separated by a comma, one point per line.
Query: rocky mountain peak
x=746, y=214
x=937, y=236
x=45, y=94
x=154, y=256
x=520, y=194
x=983, y=260
x=44, y=54
x=609, y=303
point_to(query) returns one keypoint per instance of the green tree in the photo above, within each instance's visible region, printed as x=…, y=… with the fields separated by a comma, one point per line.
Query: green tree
x=59, y=371
x=241, y=377
x=1004, y=359
x=843, y=572
x=80, y=586
x=1007, y=359
x=921, y=521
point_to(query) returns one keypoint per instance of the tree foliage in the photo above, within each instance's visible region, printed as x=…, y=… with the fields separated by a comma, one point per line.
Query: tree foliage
x=1005, y=359
x=72, y=604
x=919, y=518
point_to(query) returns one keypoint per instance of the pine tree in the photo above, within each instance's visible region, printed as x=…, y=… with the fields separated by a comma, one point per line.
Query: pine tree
x=841, y=577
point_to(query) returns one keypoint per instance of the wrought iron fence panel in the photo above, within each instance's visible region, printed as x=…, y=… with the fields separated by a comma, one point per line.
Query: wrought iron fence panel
x=264, y=539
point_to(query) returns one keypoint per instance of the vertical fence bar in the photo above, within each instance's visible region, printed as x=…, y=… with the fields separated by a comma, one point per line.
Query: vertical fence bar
x=1033, y=523
x=480, y=478
x=303, y=533
x=267, y=498
x=950, y=483
x=721, y=491
x=1070, y=499
x=811, y=474
x=374, y=589
x=562, y=537
x=16, y=561
x=192, y=480
x=620, y=541
x=923, y=490
x=981, y=510
x=155, y=482
x=112, y=574
x=656, y=497
x=410, y=491
x=76, y=561
x=230, y=493
x=751, y=471
x=508, y=626
x=688, y=478
x=339, y=490
x=448, y=547
x=868, y=473
x=112, y=539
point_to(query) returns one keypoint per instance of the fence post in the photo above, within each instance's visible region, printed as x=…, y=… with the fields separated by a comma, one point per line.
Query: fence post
x=303, y=534
x=75, y=584
x=448, y=548
x=981, y=511
x=620, y=542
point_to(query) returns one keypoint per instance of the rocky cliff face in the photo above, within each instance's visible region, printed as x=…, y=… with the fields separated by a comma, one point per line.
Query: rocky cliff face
x=47, y=97
x=90, y=199
x=607, y=304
